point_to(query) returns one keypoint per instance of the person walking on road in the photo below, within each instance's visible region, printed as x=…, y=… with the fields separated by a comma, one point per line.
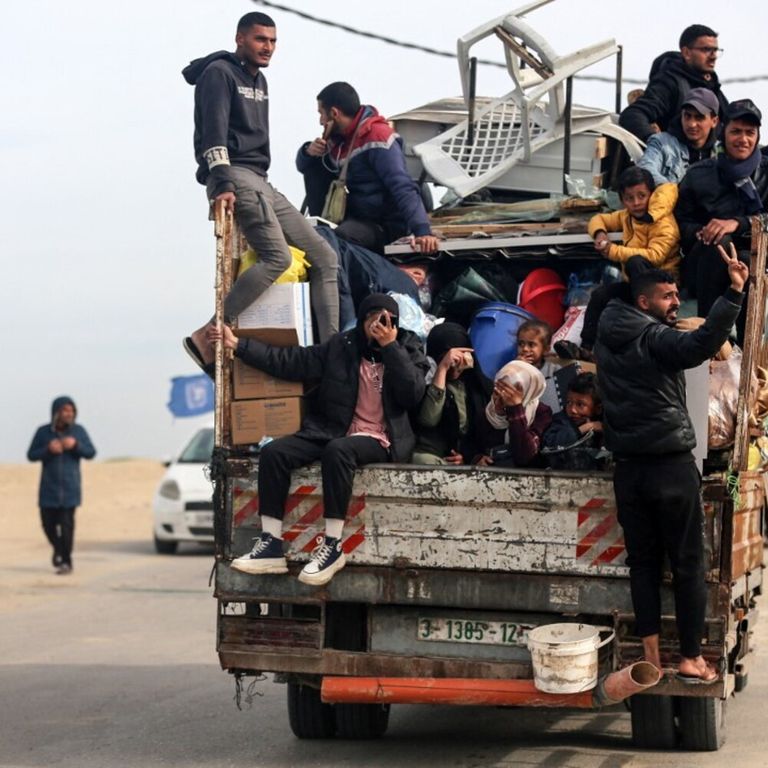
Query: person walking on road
x=60, y=445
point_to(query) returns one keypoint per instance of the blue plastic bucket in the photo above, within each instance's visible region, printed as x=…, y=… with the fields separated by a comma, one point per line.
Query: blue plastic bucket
x=493, y=333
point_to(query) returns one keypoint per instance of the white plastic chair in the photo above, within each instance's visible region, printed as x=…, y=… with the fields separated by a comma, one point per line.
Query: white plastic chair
x=510, y=129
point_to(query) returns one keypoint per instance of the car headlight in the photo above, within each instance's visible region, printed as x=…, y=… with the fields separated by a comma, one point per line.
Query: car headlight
x=169, y=489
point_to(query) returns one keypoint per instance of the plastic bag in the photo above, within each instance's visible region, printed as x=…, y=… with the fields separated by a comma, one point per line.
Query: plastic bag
x=296, y=273
x=723, y=399
x=412, y=316
x=570, y=330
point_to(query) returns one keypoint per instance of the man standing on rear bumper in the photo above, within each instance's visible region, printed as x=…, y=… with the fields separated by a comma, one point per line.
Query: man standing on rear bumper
x=232, y=151
x=60, y=445
x=641, y=361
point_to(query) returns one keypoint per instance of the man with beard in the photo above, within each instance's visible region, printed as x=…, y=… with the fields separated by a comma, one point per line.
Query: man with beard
x=233, y=155
x=641, y=359
x=690, y=138
x=384, y=202
x=368, y=378
x=716, y=199
x=60, y=445
x=672, y=76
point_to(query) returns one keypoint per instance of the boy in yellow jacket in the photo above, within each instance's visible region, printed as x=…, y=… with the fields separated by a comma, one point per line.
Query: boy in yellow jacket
x=650, y=240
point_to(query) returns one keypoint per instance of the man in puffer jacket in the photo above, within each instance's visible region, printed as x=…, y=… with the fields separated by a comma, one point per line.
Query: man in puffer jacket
x=60, y=445
x=641, y=361
x=673, y=74
x=369, y=379
x=384, y=202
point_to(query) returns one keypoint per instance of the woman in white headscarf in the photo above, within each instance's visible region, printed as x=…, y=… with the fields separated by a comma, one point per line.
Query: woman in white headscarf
x=515, y=406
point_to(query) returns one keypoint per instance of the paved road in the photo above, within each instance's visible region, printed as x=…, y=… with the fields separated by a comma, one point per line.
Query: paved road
x=115, y=666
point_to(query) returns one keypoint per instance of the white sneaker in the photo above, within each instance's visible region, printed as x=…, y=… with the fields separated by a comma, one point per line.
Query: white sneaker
x=265, y=557
x=326, y=559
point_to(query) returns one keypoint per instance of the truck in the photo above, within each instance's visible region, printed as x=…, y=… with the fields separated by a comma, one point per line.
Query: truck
x=449, y=569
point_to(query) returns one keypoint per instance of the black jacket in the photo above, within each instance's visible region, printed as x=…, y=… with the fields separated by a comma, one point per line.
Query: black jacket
x=564, y=447
x=231, y=118
x=703, y=195
x=336, y=364
x=670, y=80
x=641, y=364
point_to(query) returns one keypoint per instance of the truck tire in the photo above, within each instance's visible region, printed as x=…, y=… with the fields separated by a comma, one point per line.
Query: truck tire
x=702, y=723
x=653, y=722
x=165, y=547
x=361, y=721
x=308, y=717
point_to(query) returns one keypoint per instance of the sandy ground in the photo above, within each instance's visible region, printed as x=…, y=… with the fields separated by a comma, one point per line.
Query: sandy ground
x=117, y=506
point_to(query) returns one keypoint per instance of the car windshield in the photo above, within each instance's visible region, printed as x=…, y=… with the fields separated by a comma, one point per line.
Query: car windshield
x=199, y=449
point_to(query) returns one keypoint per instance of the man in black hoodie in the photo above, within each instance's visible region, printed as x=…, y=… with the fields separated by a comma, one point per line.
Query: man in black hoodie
x=369, y=378
x=641, y=361
x=232, y=150
x=672, y=76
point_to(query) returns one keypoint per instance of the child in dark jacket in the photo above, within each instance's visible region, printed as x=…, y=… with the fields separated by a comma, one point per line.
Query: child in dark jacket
x=515, y=405
x=451, y=413
x=575, y=436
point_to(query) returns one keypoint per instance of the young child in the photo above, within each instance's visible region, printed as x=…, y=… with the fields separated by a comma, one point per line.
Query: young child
x=575, y=436
x=533, y=340
x=451, y=411
x=515, y=406
x=650, y=237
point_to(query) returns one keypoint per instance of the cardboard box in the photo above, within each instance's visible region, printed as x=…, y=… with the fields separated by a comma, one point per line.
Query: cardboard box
x=250, y=383
x=280, y=316
x=254, y=419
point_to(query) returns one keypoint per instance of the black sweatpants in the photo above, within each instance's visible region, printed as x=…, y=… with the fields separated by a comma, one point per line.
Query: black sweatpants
x=659, y=508
x=59, y=527
x=339, y=458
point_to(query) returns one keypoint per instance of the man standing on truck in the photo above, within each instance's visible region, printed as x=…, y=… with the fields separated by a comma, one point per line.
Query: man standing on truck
x=60, y=445
x=233, y=156
x=641, y=360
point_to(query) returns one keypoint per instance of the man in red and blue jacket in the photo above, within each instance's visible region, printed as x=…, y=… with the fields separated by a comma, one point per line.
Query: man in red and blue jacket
x=384, y=202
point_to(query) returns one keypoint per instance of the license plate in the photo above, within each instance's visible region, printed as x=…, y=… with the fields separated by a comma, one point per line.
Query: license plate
x=201, y=519
x=473, y=631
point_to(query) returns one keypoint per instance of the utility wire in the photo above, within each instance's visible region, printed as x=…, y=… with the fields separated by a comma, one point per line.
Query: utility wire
x=450, y=55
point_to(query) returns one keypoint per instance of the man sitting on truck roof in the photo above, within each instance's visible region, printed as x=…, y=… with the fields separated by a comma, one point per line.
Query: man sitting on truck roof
x=369, y=379
x=690, y=137
x=232, y=150
x=672, y=76
x=384, y=202
x=641, y=361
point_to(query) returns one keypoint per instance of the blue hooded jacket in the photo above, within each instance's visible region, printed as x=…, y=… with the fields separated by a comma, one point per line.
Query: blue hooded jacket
x=60, y=479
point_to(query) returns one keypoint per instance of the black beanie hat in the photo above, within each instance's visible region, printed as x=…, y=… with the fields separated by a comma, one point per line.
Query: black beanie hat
x=377, y=301
x=444, y=337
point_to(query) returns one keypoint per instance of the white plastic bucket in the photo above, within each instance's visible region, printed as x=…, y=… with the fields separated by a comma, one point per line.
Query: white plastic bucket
x=565, y=656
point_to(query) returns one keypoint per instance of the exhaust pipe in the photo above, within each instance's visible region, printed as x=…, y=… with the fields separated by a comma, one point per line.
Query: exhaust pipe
x=620, y=685
x=611, y=689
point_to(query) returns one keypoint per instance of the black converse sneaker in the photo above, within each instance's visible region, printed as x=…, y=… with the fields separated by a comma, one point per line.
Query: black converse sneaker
x=265, y=557
x=326, y=559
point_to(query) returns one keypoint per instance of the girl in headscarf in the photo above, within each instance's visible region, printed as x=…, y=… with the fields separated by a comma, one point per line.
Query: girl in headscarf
x=515, y=405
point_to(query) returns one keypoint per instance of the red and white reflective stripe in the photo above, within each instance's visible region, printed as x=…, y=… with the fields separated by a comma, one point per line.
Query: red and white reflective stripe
x=600, y=540
x=303, y=519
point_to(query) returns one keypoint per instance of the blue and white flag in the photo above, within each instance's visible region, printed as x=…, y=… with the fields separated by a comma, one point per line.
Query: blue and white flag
x=191, y=395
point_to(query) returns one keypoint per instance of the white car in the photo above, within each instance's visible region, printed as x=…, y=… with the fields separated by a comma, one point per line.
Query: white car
x=183, y=503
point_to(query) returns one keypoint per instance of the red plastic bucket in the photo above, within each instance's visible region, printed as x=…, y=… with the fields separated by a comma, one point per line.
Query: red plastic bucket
x=542, y=294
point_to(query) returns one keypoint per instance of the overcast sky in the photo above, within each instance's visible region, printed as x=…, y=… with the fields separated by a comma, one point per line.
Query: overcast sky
x=107, y=256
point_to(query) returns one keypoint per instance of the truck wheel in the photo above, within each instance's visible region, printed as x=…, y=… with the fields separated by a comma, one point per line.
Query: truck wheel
x=361, y=721
x=653, y=722
x=165, y=547
x=702, y=723
x=308, y=717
